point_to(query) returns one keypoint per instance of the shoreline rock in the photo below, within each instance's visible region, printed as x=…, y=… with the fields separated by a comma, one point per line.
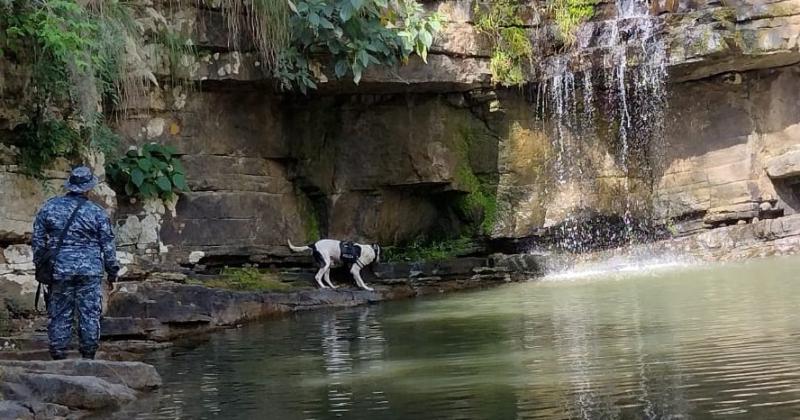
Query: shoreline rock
x=166, y=310
x=71, y=388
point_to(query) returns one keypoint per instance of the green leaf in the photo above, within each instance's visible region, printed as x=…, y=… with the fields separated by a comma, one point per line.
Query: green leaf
x=151, y=147
x=357, y=4
x=145, y=164
x=168, y=150
x=164, y=184
x=129, y=189
x=325, y=23
x=137, y=177
x=425, y=37
x=313, y=19
x=341, y=68
x=363, y=56
x=346, y=12
x=180, y=182
x=148, y=190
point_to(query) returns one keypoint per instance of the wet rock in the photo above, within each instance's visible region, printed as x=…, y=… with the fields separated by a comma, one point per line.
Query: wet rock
x=32, y=410
x=75, y=391
x=134, y=375
x=53, y=389
x=14, y=410
x=521, y=264
x=128, y=327
x=456, y=267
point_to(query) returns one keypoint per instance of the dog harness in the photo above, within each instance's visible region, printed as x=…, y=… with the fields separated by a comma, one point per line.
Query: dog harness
x=350, y=253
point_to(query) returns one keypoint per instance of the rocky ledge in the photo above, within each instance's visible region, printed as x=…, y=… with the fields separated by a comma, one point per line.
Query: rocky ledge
x=165, y=310
x=757, y=239
x=71, y=388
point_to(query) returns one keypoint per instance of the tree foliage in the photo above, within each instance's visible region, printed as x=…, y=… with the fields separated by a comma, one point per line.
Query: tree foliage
x=352, y=35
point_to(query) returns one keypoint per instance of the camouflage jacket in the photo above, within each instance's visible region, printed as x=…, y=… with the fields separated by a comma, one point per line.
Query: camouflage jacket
x=88, y=248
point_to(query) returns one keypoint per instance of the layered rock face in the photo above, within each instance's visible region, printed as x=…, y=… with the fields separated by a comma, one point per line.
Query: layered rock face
x=388, y=160
x=733, y=149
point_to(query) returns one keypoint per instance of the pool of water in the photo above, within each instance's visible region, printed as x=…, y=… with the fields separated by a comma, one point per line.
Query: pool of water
x=715, y=341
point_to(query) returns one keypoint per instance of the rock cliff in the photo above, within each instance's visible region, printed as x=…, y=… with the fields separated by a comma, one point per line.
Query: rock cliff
x=394, y=157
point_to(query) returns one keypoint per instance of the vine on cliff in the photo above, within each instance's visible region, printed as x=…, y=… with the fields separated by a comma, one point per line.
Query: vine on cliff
x=74, y=51
x=501, y=22
x=569, y=15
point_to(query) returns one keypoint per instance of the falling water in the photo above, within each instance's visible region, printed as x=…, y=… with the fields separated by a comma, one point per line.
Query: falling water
x=628, y=91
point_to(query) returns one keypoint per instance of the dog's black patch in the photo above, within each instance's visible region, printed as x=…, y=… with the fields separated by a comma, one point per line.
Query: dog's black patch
x=317, y=256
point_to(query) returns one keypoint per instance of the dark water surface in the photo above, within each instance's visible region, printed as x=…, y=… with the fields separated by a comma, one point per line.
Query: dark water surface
x=703, y=342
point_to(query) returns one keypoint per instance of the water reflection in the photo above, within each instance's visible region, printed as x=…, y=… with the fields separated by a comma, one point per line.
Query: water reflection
x=690, y=343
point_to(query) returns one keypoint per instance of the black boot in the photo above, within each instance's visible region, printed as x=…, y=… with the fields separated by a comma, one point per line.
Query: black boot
x=87, y=356
x=58, y=356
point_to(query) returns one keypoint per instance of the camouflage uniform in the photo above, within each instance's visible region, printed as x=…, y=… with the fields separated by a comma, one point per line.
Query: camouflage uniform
x=88, y=250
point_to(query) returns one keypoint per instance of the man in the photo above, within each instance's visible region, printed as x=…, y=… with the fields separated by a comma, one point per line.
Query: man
x=88, y=250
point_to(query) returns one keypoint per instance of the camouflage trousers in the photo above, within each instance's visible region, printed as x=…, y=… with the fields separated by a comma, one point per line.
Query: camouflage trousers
x=81, y=294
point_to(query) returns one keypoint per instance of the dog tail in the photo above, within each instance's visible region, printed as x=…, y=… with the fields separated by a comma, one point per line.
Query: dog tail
x=298, y=248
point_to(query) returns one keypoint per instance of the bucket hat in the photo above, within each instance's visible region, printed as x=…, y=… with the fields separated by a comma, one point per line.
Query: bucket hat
x=80, y=180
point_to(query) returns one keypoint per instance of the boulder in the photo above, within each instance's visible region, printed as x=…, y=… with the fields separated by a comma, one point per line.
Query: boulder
x=69, y=388
x=15, y=410
x=81, y=392
x=134, y=375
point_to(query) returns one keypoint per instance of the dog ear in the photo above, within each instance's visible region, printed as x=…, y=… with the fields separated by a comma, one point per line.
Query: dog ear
x=377, y=249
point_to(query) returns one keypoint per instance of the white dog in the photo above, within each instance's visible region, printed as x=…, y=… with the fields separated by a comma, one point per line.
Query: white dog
x=327, y=252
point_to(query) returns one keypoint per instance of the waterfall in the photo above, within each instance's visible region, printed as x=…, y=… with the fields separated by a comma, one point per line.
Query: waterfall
x=617, y=76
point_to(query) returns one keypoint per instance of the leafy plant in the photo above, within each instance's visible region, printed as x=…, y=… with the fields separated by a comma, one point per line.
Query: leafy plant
x=152, y=171
x=422, y=250
x=500, y=21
